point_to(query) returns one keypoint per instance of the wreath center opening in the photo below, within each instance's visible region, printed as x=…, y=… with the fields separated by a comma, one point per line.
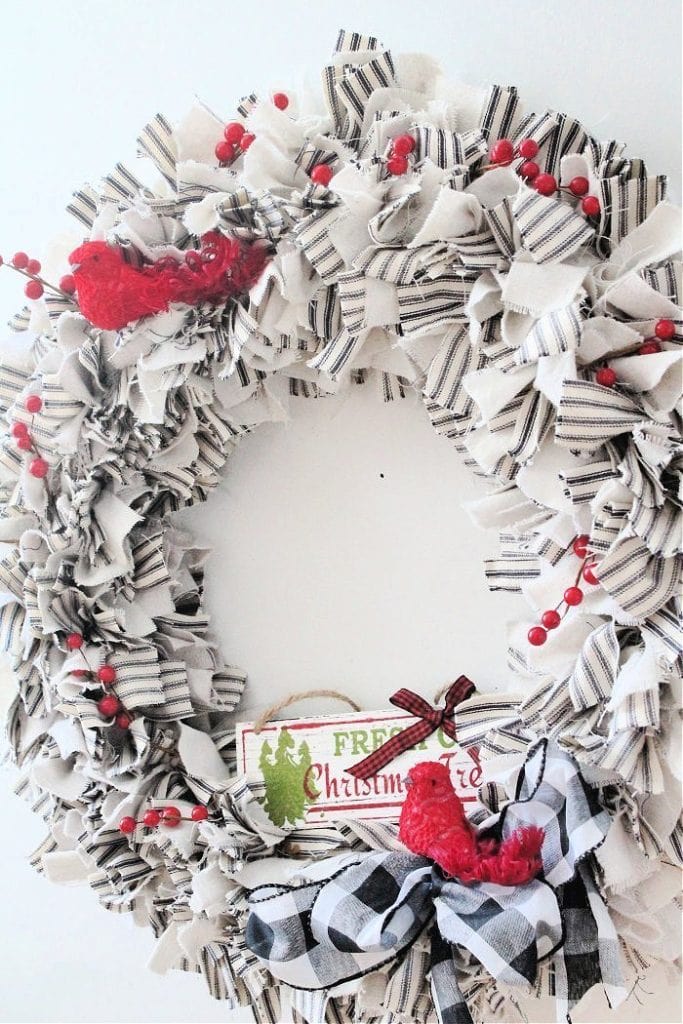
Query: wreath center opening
x=343, y=555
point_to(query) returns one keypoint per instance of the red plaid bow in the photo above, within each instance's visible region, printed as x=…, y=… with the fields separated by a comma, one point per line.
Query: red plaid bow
x=431, y=719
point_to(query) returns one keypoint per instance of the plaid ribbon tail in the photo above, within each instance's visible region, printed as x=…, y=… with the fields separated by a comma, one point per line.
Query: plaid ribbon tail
x=449, y=1002
x=431, y=719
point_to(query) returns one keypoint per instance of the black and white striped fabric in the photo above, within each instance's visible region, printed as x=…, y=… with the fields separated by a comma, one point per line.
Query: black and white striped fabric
x=369, y=908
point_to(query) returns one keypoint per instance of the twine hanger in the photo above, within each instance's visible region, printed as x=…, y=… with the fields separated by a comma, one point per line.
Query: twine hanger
x=294, y=698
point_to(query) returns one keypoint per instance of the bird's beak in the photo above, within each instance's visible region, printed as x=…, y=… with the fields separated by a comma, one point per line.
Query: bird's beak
x=75, y=266
x=406, y=780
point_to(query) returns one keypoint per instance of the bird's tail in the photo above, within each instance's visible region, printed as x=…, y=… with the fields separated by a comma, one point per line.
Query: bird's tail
x=517, y=860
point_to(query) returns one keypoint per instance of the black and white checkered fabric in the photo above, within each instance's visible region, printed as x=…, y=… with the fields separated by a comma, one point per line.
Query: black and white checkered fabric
x=371, y=907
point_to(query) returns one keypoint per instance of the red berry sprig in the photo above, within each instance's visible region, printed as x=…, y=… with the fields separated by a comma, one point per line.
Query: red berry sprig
x=108, y=705
x=170, y=817
x=236, y=140
x=36, y=285
x=664, y=331
x=401, y=148
x=21, y=432
x=578, y=187
x=503, y=152
x=572, y=596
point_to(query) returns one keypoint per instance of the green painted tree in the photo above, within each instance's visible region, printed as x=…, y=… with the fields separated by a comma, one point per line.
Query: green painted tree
x=284, y=773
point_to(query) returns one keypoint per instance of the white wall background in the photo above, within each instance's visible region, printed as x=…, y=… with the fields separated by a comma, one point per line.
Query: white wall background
x=399, y=598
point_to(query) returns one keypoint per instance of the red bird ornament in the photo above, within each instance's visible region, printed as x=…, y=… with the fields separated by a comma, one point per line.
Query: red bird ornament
x=433, y=824
x=113, y=293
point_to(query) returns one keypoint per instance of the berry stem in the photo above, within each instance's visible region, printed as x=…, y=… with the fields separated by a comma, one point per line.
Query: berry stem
x=627, y=350
x=40, y=280
x=141, y=821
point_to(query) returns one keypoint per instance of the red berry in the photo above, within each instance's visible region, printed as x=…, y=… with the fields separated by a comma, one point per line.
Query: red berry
x=606, y=376
x=33, y=267
x=665, y=329
x=38, y=468
x=33, y=289
x=321, y=174
x=233, y=132
x=80, y=673
x=502, y=152
x=123, y=720
x=537, y=636
x=247, y=140
x=151, y=818
x=649, y=347
x=108, y=706
x=67, y=284
x=551, y=619
x=589, y=575
x=19, y=429
x=1, y=261
x=171, y=816
x=573, y=596
x=20, y=260
x=106, y=674
x=281, y=100
x=528, y=148
x=529, y=169
x=127, y=825
x=224, y=152
x=579, y=186
x=545, y=184
x=591, y=206
x=24, y=443
x=74, y=641
x=580, y=544
x=402, y=145
x=397, y=164
x=199, y=813
x=33, y=403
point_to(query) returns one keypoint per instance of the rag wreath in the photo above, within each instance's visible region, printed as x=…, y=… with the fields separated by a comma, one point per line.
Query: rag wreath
x=542, y=334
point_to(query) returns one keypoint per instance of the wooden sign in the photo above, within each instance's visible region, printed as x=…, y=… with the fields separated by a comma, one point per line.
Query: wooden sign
x=301, y=765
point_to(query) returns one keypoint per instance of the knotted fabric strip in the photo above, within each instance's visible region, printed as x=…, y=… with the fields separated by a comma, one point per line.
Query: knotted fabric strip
x=430, y=719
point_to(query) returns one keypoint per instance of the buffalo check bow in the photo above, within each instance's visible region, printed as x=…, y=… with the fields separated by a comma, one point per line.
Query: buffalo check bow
x=430, y=719
x=362, y=911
